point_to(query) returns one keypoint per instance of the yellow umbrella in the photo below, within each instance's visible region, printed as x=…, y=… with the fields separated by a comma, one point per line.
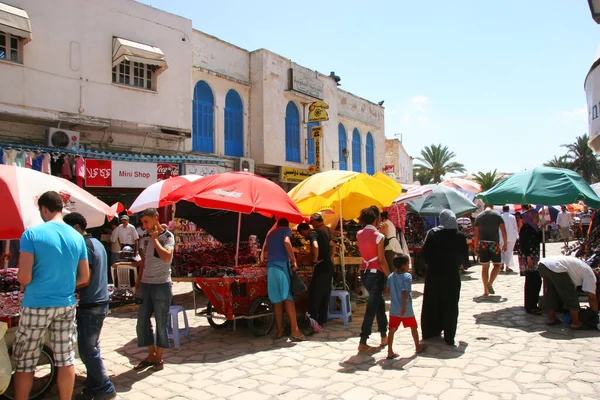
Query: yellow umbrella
x=345, y=193
x=387, y=180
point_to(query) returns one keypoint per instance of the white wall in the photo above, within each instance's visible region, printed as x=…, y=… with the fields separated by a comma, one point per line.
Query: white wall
x=219, y=56
x=72, y=46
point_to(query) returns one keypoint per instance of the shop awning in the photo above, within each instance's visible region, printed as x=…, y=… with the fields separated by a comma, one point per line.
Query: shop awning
x=124, y=49
x=15, y=21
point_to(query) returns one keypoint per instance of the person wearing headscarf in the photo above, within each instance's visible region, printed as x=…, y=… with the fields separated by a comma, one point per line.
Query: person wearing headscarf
x=530, y=238
x=445, y=251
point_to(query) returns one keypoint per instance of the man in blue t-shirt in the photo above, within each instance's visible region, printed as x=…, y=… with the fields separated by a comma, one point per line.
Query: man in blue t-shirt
x=53, y=261
x=91, y=312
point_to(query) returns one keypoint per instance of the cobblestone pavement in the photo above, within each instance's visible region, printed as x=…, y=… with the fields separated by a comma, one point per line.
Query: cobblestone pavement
x=504, y=353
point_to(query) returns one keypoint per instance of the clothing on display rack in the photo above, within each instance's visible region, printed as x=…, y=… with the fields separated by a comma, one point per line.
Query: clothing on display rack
x=45, y=163
x=66, y=170
x=10, y=156
x=80, y=170
x=1, y=155
x=29, y=156
x=20, y=158
x=56, y=164
x=36, y=163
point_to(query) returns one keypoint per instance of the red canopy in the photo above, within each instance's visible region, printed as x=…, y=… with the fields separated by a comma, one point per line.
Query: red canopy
x=239, y=192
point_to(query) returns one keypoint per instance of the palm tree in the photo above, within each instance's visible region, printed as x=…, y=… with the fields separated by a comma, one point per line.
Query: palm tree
x=423, y=177
x=487, y=180
x=582, y=159
x=559, y=162
x=436, y=161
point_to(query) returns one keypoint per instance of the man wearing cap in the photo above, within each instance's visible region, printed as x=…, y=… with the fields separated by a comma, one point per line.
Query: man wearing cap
x=316, y=221
x=126, y=234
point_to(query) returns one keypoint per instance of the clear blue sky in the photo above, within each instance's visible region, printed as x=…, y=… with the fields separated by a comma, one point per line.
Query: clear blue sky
x=499, y=82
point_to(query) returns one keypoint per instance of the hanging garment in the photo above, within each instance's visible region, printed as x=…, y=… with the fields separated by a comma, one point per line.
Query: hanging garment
x=36, y=163
x=1, y=155
x=66, y=171
x=45, y=163
x=20, y=158
x=80, y=167
x=56, y=164
x=9, y=157
x=29, y=156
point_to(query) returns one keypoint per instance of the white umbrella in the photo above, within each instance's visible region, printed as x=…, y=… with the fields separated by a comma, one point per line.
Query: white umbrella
x=154, y=195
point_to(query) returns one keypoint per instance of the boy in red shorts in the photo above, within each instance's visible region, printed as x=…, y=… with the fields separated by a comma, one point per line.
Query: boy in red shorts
x=401, y=310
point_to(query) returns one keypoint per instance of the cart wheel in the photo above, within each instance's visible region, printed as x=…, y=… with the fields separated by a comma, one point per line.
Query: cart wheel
x=261, y=326
x=215, y=323
x=44, y=376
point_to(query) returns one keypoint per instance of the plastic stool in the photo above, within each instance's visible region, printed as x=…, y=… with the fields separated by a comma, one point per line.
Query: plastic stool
x=173, y=328
x=346, y=313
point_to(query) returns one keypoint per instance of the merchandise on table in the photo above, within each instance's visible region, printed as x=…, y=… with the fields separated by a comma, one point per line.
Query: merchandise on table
x=211, y=258
x=415, y=231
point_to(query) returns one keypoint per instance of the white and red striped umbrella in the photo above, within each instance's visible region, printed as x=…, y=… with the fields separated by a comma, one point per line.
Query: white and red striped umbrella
x=20, y=189
x=154, y=195
x=464, y=184
x=414, y=193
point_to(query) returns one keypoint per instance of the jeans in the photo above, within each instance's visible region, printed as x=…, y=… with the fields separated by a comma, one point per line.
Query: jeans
x=89, y=326
x=156, y=299
x=375, y=284
x=320, y=292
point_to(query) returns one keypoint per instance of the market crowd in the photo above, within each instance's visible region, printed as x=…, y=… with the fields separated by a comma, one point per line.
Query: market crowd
x=59, y=257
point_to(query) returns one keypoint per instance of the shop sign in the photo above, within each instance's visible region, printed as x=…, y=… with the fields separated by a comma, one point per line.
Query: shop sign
x=161, y=168
x=316, y=132
x=318, y=153
x=203, y=169
x=592, y=94
x=388, y=168
x=317, y=111
x=294, y=175
x=98, y=173
x=119, y=174
x=305, y=83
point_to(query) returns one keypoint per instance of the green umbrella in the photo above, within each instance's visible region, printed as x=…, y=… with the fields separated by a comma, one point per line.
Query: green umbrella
x=542, y=186
x=439, y=199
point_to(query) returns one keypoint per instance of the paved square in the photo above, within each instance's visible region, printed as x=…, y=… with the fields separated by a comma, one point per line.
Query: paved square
x=504, y=353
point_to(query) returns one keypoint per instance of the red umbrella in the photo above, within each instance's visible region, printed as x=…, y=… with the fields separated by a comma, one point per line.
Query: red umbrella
x=240, y=192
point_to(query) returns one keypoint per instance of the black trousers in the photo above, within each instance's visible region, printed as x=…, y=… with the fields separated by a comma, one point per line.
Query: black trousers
x=533, y=284
x=440, y=307
x=319, y=293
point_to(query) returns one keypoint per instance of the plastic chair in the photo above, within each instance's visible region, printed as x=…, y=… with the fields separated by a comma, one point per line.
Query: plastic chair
x=346, y=312
x=123, y=278
x=173, y=328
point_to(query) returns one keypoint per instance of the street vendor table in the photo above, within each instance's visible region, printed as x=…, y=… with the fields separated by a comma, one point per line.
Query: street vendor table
x=244, y=296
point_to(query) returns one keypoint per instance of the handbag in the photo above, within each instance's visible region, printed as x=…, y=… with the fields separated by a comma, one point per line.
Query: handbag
x=297, y=284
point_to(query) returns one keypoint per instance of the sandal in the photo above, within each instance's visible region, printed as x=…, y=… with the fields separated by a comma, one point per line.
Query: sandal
x=300, y=338
x=143, y=365
x=158, y=366
x=391, y=357
x=368, y=349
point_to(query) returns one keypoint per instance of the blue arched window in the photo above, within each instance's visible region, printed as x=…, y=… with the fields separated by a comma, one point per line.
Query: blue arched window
x=311, y=142
x=203, y=123
x=342, y=145
x=370, y=150
x=234, y=125
x=356, y=155
x=292, y=133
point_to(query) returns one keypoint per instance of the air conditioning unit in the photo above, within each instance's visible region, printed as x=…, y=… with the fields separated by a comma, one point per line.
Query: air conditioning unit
x=244, y=164
x=62, y=138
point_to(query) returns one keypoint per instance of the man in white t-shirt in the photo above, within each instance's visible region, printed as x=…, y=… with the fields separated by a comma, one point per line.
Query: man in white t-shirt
x=586, y=220
x=564, y=224
x=512, y=234
x=126, y=234
x=562, y=275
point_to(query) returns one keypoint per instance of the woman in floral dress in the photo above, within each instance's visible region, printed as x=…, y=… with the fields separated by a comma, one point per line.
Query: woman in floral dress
x=530, y=238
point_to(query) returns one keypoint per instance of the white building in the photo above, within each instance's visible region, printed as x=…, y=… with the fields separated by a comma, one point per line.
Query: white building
x=137, y=80
x=397, y=161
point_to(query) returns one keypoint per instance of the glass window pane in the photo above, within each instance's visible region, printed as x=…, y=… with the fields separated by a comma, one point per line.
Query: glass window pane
x=2, y=39
x=14, y=42
x=2, y=52
x=149, y=84
x=13, y=55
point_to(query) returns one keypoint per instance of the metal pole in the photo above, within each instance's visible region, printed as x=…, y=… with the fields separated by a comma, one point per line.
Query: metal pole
x=343, y=246
x=237, y=247
x=544, y=231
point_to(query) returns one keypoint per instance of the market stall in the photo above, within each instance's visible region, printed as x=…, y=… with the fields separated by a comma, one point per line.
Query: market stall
x=234, y=215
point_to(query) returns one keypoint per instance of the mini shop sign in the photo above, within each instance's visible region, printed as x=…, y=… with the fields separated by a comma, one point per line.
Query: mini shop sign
x=123, y=174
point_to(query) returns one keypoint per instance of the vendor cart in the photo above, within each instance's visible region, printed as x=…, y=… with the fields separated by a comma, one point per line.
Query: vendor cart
x=243, y=296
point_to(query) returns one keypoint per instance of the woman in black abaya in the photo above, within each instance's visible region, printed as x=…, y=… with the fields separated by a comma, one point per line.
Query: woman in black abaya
x=445, y=250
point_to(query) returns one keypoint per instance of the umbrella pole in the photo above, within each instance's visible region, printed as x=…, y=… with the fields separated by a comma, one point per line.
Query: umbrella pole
x=544, y=231
x=237, y=247
x=343, y=246
x=6, y=250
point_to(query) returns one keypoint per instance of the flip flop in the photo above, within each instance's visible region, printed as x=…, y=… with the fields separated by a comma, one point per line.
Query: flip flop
x=579, y=328
x=555, y=322
x=300, y=338
x=392, y=356
x=158, y=366
x=423, y=348
x=143, y=365
x=369, y=350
